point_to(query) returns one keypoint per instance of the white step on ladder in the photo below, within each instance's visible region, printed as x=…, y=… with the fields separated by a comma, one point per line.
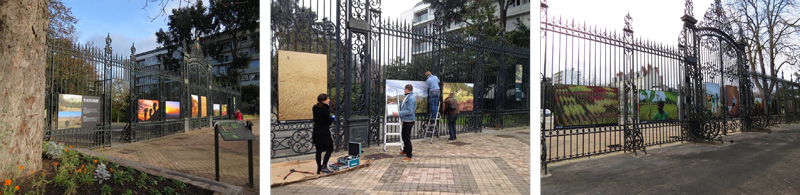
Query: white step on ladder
x=390, y=109
x=434, y=129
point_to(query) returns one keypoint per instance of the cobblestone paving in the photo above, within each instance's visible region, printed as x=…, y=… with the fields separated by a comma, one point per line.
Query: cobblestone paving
x=487, y=165
x=193, y=153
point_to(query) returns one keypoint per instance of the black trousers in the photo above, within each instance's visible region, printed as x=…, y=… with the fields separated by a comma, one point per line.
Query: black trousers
x=406, y=135
x=451, y=125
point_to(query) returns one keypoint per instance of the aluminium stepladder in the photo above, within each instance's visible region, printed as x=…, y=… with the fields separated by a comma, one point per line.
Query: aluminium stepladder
x=434, y=129
x=398, y=126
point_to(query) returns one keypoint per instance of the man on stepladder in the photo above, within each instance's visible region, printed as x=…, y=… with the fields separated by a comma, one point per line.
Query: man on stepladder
x=433, y=93
x=407, y=110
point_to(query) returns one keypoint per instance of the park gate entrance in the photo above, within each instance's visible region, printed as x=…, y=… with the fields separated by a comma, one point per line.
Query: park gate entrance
x=364, y=50
x=94, y=97
x=611, y=92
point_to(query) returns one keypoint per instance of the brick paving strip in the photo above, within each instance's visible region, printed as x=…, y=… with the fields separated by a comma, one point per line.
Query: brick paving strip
x=478, y=163
x=192, y=153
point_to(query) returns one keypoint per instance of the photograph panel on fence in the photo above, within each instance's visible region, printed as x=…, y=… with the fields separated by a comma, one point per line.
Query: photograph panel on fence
x=173, y=110
x=758, y=106
x=578, y=105
x=149, y=110
x=462, y=92
x=732, y=100
x=195, y=107
x=91, y=112
x=713, y=100
x=216, y=109
x=69, y=111
x=301, y=78
x=420, y=92
x=657, y=106
x=224, y=109
x=203, y=107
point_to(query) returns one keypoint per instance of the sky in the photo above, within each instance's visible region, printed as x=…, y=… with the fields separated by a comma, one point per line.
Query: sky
x=658, y=21
x=125, y=20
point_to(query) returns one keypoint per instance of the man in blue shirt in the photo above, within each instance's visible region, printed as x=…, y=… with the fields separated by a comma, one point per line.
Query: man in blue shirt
x=433, y=93
x=407, y=110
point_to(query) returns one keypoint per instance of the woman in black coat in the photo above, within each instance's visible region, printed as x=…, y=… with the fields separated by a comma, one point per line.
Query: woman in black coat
x=322, y=134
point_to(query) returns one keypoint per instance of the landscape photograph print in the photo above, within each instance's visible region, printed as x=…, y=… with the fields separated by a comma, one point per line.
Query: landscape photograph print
x=420, y=92
x=732, y=100
x=578, y=105
x=195, y=107
x=203, y=107
x=69, y=111
x=173, y=110
x=462, y=93
x=713, y=100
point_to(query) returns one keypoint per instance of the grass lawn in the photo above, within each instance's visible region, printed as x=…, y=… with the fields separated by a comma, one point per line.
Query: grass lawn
x=647, y=111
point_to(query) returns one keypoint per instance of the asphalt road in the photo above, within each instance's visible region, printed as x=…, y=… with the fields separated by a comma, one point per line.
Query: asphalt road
x=755, y=163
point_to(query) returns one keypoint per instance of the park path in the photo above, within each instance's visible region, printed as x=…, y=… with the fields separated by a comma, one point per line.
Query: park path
x=491, y=162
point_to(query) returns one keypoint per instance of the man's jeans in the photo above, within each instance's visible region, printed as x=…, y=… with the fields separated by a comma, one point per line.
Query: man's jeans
x=434, y=102
x=451, y=125
x=405, y=134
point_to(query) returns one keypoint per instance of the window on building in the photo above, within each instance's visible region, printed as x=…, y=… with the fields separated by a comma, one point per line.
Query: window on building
x=254, y=64
x=244, y=54
x=227, y=58
x=223, y=70
x=255, y=77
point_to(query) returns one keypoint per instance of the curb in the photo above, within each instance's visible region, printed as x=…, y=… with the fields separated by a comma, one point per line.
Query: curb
x=217, y=187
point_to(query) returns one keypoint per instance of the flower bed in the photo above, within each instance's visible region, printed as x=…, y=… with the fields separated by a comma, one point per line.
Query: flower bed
x=66, y=171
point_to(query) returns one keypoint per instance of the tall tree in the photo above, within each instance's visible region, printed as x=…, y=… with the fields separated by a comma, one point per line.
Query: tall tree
x=235, y=19
x=453, y=11
x=186, y=24
x=62, y=23
x=771, y=30
x=23, y=36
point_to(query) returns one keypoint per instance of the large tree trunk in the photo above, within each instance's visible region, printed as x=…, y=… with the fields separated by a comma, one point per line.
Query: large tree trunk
x=23, y=34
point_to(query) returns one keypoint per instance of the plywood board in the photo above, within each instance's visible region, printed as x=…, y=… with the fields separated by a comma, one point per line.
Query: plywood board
x=301, y=78
x=280, y=171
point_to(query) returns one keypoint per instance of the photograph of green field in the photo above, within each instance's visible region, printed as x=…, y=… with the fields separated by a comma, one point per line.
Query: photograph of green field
x=657, y=106
x=578, y=105
x=420, y=92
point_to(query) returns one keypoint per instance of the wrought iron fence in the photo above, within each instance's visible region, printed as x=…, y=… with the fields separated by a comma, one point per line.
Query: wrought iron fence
x=77, y=72
x=363, y=51
x=605, y=91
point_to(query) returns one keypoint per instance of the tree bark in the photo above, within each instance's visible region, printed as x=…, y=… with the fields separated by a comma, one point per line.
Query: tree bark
x=23, y=33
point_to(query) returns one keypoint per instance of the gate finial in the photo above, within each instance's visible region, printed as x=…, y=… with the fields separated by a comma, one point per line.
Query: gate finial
x=108, y=44
x=628, y=20
x=689, y=9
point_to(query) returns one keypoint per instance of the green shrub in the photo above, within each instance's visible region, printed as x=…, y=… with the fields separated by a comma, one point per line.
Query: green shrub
x=105, y=190
x=169, y=191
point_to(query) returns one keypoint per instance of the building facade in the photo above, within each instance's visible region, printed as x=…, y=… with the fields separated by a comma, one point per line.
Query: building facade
x=567, y=77
x=422, y=16
x=247, y=47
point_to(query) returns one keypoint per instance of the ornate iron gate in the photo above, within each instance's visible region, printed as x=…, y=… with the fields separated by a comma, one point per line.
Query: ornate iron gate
x=364, y=50
x=707, y=72
x=88, y=71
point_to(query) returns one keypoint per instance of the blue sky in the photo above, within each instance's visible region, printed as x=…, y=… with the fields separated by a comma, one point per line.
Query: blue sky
x=126, y=22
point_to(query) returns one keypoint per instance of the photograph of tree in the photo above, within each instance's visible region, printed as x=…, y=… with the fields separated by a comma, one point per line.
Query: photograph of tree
x=203, y=107
x=578, y=105
x=392, y=98
x=420, y=92
x=732, y=100
x=713, y=100
x=462, y=92
x=69, y=111
x=173, y=110
x=149, y=110
x=216, y=110
x=195, y=108
x=224, y=109
x=657, y=106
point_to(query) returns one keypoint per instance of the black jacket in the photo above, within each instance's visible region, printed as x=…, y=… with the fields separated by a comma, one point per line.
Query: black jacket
x=322, y=122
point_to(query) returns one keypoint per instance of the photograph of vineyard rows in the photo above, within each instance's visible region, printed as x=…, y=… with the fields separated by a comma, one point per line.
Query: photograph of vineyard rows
x=578, y=105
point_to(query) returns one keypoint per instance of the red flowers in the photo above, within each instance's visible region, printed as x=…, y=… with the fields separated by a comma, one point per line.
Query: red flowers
x=8, y=182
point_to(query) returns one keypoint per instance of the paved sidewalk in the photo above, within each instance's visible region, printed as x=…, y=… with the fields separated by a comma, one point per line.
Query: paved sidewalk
x=492, y=162
x=755, y=163
x=193, y=153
